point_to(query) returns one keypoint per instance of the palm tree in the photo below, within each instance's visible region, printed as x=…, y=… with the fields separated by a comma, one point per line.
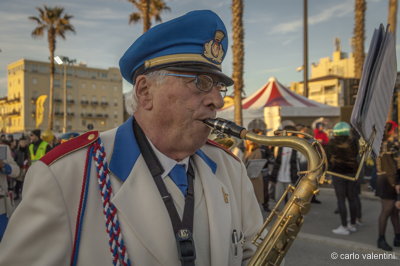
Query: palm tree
x=392, y=17
x=359, y=36
x=147, y=9
x=56, y=23
x=392, y=20
x=238, y=58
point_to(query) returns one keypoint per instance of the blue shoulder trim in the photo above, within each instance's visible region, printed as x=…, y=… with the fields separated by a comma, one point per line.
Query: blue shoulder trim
x=126, y=151
x=207, y=160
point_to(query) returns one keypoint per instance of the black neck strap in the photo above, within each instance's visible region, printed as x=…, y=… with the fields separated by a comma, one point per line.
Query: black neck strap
x=183, y=230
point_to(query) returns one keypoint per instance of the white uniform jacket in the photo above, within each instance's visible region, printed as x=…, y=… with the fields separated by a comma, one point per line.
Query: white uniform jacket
x=42, y=228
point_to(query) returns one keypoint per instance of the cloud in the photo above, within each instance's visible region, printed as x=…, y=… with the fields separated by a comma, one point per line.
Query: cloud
x=327, y=14
x=273, y=70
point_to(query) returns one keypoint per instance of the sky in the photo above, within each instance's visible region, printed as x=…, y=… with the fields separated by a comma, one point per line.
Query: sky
x=273, y=33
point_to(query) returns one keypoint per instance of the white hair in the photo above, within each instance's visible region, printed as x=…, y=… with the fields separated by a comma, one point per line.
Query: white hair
x=131, y=100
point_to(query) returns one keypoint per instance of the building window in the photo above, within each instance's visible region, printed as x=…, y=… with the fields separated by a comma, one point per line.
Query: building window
x=84, y=123
x=83, y=85
x=329, y=89
x=34, y=81
x=93, y=86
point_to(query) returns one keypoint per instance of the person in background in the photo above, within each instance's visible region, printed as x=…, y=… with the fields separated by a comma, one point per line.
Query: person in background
x=397, y=187
x=285, y=168
x=22, y=160
x=268, y=154
x=342, y=151
x=320, y=134
x=38, y=147
x=48, y=136
x=154, y=191
x=8, y=167
x=386, y=189
x=253, y=151
x=302, y=160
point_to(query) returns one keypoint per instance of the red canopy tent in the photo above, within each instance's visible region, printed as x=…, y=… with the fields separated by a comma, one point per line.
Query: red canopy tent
x=273, y=101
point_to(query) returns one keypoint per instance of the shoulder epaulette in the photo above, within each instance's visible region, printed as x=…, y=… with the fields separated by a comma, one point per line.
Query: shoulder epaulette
x=70, y=146
x=211, y=142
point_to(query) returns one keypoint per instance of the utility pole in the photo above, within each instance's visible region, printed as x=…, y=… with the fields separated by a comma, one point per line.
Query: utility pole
x=64, y=60
x=305, y=48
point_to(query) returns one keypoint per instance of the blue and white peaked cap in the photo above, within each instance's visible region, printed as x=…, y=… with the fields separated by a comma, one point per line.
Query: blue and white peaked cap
x=196, y=42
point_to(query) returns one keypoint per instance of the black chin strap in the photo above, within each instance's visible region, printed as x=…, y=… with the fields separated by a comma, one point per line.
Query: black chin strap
x=183, y=230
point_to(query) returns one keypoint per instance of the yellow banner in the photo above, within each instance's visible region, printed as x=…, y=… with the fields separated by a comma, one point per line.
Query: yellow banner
x=40, y=109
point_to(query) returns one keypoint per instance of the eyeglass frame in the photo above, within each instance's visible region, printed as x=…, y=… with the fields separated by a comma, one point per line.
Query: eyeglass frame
x=220, y=84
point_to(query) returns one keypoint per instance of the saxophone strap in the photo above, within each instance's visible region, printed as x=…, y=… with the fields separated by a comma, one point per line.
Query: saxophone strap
x=183, y=230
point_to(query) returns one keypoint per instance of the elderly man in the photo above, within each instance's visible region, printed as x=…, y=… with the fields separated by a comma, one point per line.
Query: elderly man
x=167, y=196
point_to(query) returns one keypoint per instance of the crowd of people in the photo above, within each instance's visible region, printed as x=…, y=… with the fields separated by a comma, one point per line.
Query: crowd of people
x=341, y=144
x=17, y=156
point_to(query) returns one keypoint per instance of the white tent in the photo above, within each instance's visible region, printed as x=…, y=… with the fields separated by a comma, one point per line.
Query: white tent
x=273, y=102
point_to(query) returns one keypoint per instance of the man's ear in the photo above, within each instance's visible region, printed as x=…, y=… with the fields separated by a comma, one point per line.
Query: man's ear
x=143, y=93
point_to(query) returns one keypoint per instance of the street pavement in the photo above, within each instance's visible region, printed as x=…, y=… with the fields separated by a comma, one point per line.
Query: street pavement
x=317, y=245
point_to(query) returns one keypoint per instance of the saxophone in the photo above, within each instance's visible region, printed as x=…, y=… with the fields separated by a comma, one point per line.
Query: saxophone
x=273, y=244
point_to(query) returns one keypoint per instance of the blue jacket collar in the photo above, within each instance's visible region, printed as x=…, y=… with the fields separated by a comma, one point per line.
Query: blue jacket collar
x=126, y=152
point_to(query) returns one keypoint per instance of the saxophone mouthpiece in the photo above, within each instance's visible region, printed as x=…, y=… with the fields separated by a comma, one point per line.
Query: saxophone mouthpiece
x=224, y=126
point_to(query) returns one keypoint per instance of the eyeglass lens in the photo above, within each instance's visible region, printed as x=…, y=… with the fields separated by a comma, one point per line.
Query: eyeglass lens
x=205, y=83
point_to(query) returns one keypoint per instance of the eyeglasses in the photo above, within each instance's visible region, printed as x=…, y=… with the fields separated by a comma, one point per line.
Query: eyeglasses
x=203, y=82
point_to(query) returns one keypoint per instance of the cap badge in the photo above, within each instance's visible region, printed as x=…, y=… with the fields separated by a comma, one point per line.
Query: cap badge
x=213, y=49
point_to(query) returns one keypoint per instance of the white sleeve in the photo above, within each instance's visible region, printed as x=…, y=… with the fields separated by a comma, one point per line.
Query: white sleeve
x=10, y=161
x=38, y=232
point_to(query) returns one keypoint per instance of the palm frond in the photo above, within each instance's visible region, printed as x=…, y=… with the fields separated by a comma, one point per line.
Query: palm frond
x=134, y=17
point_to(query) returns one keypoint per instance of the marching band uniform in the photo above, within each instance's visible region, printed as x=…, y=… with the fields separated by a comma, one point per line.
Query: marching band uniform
x=46, y=228
x=78, y=209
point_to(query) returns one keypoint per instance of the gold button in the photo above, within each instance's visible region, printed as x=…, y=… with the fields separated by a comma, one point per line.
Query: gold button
x=91, y=136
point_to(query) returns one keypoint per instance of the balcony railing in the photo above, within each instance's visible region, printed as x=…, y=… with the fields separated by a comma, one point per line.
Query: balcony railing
x=91, y=115
x=62, y=113
x=12, y=113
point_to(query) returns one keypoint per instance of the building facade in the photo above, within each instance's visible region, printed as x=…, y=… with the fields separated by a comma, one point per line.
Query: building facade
x=332, y=80
x=94, y=97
